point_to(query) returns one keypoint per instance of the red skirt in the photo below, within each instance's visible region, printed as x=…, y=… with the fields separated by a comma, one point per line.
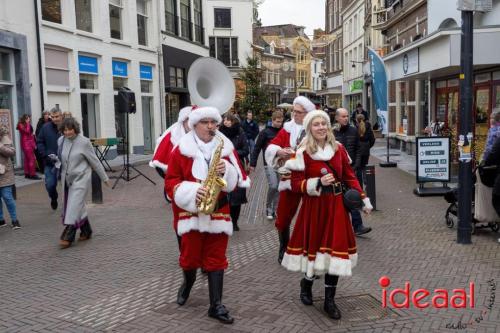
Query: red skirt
x=323, y=240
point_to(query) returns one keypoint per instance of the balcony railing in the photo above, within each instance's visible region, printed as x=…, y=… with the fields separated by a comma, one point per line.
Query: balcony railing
x=379, y=17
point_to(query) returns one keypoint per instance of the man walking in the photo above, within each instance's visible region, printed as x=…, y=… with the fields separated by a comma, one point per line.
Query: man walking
x=347, y=135
x=263, y=140
x=359, y=110
x=251, y=129
x=47, y=148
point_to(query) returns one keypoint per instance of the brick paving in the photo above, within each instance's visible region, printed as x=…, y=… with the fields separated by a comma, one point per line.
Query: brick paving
x=125, y=279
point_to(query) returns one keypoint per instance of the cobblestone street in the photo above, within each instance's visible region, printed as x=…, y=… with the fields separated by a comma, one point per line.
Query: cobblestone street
x=125, y=279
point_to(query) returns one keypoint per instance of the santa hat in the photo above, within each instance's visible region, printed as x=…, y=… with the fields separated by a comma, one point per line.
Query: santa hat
x=305, y=103
x=198, y=114
x=184, y=113
x=313, y=114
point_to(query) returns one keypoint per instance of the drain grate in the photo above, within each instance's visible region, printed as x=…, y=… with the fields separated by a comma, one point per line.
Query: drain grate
x=359, y=308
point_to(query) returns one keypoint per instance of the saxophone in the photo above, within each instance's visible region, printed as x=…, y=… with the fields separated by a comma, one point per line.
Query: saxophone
x=213, y=183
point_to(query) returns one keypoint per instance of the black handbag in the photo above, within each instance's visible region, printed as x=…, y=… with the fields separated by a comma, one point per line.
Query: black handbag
x=487, y=174
x=352, y=198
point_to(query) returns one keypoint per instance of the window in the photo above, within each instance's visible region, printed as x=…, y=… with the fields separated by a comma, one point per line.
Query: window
x=146, y=86
x=170, y=18
x=177, y=77
x=198, y=23
x=4, y=67
x=222, y=17
x=186, y=19
x=302, y=54
x=88, y=81
x=115, y=18
x=51, y=11
x=142, y=22
x=83, y=12
x=57, y=67
x=355, y=26
x=303, y=79
x=225, y=49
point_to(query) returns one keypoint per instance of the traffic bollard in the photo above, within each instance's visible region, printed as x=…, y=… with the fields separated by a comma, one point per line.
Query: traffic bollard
x=96, y=189
x=370, y=185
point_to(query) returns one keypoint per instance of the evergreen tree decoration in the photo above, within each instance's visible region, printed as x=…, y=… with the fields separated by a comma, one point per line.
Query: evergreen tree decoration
x=256, y=98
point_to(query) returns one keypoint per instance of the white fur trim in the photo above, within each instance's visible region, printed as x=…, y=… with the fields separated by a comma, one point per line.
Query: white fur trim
x=313, y=114
x=189, y=147
x=296, y=163
x=324, y=154
x=367, y=203
x=245, y=183
x=204, y=112
x=294, y=130
x=204, y=223
x=243, y=180
x=305, y=103
x=311, y=187
x=271, y=154
x=284, y=185
x=185, y=196
x=323, y=263
x=230, y=176
x=184, y=114
x=177, y=132
x=158, y=164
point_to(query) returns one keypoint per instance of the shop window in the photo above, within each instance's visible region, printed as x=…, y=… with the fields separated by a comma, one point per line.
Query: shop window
x=115, y=18
x=496, y=102
x=57, y=67
x=119, y=82
x=146, y=86
x=5, y=97
x=51, y=11
x=177, y=77
x=222, y=17
x=142, y=22
x=88, y=81
x=4, y=67
x=83, y=13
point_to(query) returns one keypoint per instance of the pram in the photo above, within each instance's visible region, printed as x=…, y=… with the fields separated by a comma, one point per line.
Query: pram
x=451, y=216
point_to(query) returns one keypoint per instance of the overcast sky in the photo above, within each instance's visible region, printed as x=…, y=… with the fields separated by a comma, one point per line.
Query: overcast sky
x=309, y=13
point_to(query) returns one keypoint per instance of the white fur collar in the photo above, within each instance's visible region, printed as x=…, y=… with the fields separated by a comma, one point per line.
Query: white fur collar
x=189, y=147
x=324, y=154
x=177, y=132
x=289, y=125
x=297, y=163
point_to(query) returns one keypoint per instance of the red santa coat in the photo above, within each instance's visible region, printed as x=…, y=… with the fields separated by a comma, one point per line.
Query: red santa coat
x=323, y=240
x=288, y=201
x=165, y=144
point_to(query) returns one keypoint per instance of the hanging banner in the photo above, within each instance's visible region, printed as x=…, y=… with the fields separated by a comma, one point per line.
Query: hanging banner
x=379, y=88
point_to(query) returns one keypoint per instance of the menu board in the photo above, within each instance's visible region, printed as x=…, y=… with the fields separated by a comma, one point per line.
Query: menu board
x=433, y=159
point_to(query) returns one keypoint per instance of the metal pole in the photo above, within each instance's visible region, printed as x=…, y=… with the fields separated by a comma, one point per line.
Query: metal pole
x=465, y=167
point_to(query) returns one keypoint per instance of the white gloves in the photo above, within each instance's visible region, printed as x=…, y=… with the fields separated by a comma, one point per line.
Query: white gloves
x=367, y=207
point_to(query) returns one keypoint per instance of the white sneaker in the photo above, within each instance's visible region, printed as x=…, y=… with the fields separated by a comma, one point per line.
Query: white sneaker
x=269, y=217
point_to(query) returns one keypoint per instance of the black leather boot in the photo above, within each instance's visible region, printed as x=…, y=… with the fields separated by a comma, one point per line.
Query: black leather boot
x=85, y=232
x=330, y=288
x=306, y=291
x=68, y=236
x=217, y=310
x=284, y=238
x=185, y=289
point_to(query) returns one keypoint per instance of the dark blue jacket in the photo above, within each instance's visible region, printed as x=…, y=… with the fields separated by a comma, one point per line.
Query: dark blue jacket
x=251, y=129
x=46, y=141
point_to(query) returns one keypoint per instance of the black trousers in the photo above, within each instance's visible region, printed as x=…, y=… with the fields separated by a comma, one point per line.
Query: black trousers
x=235, y=211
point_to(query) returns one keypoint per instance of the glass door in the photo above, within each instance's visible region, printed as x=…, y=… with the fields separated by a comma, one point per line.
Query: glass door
x=89, y=115
x=481, y=114
x=147, y=123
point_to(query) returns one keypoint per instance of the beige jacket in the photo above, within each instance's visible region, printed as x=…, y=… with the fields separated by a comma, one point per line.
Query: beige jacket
x=6, y=152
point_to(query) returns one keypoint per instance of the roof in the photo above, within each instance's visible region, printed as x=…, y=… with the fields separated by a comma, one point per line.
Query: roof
x=282, y=30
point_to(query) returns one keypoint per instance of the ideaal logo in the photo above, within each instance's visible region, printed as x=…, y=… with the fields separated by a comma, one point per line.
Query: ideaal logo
x=422, y=298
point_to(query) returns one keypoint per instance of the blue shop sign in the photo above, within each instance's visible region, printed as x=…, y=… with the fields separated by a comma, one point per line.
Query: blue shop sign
x=146, y=72
x=87, y=65
x=120, y=68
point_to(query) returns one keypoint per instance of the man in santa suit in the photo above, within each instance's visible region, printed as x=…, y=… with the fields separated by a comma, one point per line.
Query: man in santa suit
x=168, y=140
x=280, y=149
x=204, y=237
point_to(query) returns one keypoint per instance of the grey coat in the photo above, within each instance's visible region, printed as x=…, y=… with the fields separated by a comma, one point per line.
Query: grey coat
x=77, y=161
x=6, y=152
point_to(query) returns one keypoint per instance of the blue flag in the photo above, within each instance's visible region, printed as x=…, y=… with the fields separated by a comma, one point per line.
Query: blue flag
x=379, y=89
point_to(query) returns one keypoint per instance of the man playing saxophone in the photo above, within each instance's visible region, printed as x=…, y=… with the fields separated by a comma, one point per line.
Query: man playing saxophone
x=200, y=159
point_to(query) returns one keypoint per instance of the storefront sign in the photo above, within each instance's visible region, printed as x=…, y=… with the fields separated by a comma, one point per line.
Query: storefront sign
x=146, y=72
x=410, y=62
x=87, y=65
x=433, y=159
x=356, y=85
x=120, y=68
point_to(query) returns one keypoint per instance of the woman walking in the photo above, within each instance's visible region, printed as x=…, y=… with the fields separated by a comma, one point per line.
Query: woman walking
x=232, y=130
x=323, y=240
x=366, y=142
x=7, y=179
x=78, y=159
x=28, y=145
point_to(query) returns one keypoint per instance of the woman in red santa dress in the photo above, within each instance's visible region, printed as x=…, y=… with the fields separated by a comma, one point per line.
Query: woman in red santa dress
x=204, y=237
x=323, y=240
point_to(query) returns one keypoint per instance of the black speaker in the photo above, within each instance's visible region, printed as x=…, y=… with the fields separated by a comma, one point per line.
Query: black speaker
x=125, y=101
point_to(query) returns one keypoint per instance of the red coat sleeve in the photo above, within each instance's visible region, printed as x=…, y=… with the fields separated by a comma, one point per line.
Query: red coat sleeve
x=174, y=174
x=348, y=175
x=298, y=182
x=282, y=139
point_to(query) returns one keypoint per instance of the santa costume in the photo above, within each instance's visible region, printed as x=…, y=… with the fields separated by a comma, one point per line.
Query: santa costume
x=288, y=137
x=323, y=240
x=204, y=237
x=167, y=141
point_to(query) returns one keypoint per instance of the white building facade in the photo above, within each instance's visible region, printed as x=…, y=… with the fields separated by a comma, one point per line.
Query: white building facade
x=229, y=29
x=92, y=48
x=353, y=38
x=316, y=74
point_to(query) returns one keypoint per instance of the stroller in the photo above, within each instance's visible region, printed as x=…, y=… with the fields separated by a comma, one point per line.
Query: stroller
x=451, y=216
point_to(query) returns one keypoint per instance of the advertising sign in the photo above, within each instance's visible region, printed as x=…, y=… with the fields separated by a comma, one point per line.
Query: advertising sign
x=87, y=65
x=433, y=159
x=120, y=68
x=379, y=86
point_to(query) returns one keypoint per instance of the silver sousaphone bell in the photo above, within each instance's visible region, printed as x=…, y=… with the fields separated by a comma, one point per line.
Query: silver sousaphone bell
x=210, y=84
